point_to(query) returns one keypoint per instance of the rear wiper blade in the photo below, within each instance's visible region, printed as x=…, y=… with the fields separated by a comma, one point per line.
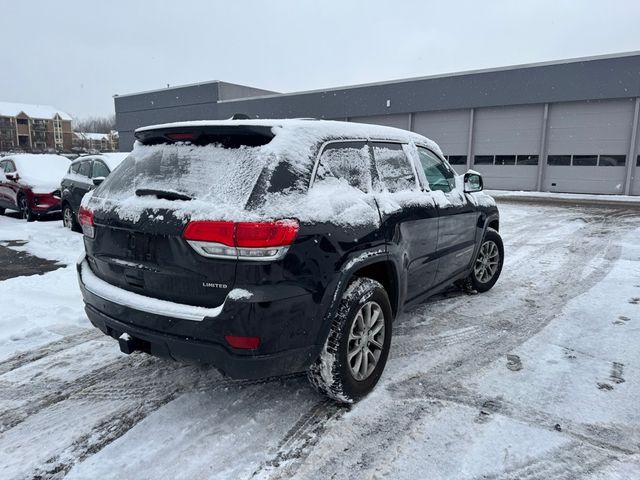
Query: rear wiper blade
x=165, y=194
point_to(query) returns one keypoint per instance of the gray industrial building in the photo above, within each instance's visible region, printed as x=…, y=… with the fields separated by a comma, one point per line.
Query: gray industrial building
x=567, y=126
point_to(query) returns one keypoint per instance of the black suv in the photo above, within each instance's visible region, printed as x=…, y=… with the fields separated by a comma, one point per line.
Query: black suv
x=83, y=175
x=267, y=247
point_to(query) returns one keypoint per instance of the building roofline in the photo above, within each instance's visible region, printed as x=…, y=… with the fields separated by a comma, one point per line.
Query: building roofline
x=448, y=74
x=394, y=81
x=187, y=85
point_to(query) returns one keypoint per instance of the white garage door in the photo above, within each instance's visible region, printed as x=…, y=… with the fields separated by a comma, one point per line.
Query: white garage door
x=506, y=144
x=450, y=130
x=588, y=145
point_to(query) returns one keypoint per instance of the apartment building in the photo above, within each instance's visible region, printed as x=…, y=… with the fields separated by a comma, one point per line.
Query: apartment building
x=34, y=128
x=102, y=142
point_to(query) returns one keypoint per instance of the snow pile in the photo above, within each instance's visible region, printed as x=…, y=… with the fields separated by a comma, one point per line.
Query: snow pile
x=40, y=308
x=42, y=173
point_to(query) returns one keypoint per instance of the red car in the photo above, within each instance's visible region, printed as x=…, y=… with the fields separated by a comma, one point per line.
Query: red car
x=30, y=184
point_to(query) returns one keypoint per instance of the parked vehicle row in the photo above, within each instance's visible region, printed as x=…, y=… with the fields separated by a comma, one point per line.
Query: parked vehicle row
x=37, y=185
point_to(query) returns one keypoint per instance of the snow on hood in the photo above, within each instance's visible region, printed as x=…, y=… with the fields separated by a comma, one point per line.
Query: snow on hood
x=42, y=172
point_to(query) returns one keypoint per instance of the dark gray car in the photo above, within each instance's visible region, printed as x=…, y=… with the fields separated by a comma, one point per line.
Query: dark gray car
x=83, y=175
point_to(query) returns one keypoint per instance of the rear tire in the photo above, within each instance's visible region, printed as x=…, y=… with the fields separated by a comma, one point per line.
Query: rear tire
x=356, y=351
x=488, y=263
x=1, y=210
x=69, y=219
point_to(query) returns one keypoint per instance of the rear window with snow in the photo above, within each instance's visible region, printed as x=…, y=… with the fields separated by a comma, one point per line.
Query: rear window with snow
x=209, y=173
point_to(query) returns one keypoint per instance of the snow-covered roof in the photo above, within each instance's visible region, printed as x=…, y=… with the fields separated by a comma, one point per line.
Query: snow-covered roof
x=42, y=172
x=11, y=109
x=313, y=129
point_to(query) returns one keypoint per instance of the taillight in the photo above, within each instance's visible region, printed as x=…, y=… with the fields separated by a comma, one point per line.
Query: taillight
x=243, y=342
x=243, y=240
x=266, y=234
x=85, y=218
x=218, y=232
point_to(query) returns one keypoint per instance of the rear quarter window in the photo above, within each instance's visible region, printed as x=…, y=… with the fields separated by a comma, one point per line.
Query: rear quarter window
x=394, y=169
x=348, y=162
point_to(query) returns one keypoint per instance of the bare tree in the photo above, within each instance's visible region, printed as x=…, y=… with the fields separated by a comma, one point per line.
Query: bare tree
x=95, y=124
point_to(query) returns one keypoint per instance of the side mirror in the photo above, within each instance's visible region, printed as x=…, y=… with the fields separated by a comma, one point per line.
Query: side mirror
x=12, y=176
x=98, y=180
x=473, y=182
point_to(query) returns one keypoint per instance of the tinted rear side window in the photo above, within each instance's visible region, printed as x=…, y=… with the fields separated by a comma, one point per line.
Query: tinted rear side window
x=85, y=169
x=394, y=169
x=346, y=161
x=100, y=170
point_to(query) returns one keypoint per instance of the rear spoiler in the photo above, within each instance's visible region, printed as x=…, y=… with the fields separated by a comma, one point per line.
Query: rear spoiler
x=229, y=136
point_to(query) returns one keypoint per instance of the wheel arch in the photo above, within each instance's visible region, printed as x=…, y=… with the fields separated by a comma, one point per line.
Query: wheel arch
x=384, y=272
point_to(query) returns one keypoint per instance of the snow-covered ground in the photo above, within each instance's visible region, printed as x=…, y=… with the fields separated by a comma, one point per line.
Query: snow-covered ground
x=538, y=378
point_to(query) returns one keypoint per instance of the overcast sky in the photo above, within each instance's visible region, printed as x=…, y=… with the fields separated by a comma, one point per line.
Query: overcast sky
x=75, y=54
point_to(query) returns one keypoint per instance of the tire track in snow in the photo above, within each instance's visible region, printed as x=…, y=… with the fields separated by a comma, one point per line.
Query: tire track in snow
x=305, y=433
x=406, y=345
x=70, y=341
x=135, y=409
x=612, y=440
x=558, y=464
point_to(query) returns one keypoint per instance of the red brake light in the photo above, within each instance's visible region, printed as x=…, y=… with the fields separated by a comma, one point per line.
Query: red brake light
x=260, y=241
x=85, y=218
x=266, y=234
x=218, y=232
x=180, y=136
x=243, y=342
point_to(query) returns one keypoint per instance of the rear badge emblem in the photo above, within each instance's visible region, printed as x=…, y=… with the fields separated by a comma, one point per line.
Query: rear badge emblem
x=214, y=285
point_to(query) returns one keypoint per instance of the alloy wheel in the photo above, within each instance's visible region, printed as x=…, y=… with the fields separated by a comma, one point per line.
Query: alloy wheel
x=487, y=262
x=67, y=217
x=24, y=208
x=366, y=340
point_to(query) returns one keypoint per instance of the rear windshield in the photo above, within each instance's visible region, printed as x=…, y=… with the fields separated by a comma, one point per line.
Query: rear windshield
x=209, y=173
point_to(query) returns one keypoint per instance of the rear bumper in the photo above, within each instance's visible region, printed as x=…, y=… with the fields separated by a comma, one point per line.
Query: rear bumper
x=287, y=327
x=43, y=204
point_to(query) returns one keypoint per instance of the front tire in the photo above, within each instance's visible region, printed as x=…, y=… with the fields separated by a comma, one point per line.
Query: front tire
x=25, y=210
x=488, y=263
x=356, y=351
